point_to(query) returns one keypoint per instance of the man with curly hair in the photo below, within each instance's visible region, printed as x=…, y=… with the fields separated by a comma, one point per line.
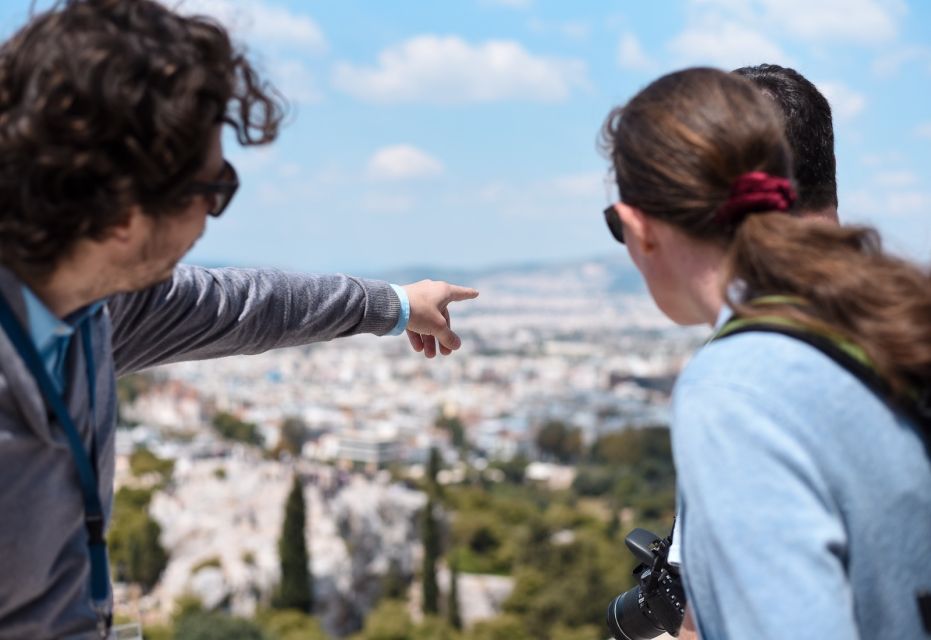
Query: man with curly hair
x=110, y=162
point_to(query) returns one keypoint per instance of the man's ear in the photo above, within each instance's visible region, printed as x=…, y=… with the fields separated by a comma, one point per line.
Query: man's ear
x=128, y=228
x=639, y=230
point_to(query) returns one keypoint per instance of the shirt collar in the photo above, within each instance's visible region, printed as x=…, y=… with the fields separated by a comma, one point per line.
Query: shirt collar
x=45, y=326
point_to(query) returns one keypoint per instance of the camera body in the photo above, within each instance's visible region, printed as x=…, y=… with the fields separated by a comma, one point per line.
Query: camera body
x=657, y=604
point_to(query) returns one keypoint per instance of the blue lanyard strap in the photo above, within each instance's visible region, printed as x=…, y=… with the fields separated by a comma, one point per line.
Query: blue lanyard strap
x=93, y=512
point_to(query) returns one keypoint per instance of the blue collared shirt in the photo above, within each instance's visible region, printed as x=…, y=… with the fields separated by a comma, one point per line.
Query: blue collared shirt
x=52, y=335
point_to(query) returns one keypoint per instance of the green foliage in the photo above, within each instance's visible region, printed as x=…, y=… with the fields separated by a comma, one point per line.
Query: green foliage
x=202, y=625
x=431, y=554
x=290, y=625
x=158, y=632
x=632, y=447
x=142, y=462
x=296, y=589
x=588, y=632
x=633, y=469
x=212, y=561
x=504, y=627
x=388, y=621
x=434, y=465
x=513, y=469
x=433, y=628
x=560, y=441
x=455, y=428
x=128, y=389
x=394, y=584
x=571, y=585
x=452, y=597
x=293, y=435
x=136, y=555
x=232, y=428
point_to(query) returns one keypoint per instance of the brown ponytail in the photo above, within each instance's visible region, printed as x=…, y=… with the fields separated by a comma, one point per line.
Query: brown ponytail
x=879, y=302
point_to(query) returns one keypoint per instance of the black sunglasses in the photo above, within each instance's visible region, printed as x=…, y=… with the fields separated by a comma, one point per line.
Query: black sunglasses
x=222, y=189
x=614, y=223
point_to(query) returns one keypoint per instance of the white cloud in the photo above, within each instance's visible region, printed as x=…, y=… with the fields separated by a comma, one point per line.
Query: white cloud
x=890, y=63
x=861, y=21
x=295, y=81
x=630, y=54
x=572, y=29
x=510, y=4
x=725, y=44
x=816, y=21
x=923, y=130
x=845, y=102
x=582, y=185
x=449, y=70
x=259, y=20
x=387, y=202
x=894, y=203
x=403, y=162
x=896, y=179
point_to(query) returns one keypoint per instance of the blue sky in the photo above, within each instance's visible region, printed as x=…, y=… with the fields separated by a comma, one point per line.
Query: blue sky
x=463, y=133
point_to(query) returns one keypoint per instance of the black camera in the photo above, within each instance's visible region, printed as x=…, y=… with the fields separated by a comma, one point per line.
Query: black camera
x=657, y=604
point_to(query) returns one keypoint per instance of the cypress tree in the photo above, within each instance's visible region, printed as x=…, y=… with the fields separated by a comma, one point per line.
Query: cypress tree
x=296, y=589
x=452, y=605
x=431, y=553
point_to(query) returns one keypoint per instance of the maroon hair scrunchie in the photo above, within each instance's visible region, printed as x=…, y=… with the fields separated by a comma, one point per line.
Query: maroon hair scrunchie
x=755, y=192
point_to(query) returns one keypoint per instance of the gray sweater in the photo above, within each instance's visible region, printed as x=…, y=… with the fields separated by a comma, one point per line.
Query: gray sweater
x=198, y=314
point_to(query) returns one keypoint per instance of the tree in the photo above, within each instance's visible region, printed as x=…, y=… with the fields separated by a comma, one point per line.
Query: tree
x=136, y=554
x=431, y=553
x=296, y=589
x=452, y=605
x=290, y=625
x=388, y=621
x=293, y=435
x=434, y=464
x=562, y=442
x=216, y=626
x=143, y=462
x=232, y=428
x=454, y=426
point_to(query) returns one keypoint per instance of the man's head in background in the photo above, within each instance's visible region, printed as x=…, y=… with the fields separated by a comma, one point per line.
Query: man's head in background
x=809, y=131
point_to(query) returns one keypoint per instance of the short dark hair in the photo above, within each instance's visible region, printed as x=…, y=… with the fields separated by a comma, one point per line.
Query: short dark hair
x=106, y=104
x=808, y=128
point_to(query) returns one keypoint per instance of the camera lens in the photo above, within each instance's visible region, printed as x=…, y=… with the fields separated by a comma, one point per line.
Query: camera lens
x=628, y=620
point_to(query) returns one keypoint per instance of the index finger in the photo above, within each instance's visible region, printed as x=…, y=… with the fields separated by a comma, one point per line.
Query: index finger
x=457, y=293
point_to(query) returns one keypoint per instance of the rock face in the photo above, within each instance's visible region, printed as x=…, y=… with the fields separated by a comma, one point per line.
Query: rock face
x=372, y=527
x=222, y=518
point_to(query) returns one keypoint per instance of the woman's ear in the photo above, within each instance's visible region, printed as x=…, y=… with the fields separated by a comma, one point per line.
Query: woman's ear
x=639, y=233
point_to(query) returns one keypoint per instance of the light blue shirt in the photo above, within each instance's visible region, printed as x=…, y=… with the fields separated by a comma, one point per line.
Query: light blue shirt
x=805, y=500
x=405, y=316
x=52, y=335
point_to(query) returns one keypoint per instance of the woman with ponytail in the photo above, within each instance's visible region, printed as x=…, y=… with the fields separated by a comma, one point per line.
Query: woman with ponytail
x=804, y=483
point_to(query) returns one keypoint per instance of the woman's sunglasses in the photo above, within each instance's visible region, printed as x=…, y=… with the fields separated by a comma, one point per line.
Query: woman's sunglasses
x=614, y=223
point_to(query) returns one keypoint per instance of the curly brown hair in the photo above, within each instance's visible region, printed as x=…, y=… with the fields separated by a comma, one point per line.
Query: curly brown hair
x=106, y=104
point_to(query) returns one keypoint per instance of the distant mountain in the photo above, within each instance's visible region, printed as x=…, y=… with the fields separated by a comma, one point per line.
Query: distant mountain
x=608, y=274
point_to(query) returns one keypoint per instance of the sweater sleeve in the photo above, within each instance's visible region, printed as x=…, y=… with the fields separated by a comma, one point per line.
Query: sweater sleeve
x=764, y=547
x=209, y=313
